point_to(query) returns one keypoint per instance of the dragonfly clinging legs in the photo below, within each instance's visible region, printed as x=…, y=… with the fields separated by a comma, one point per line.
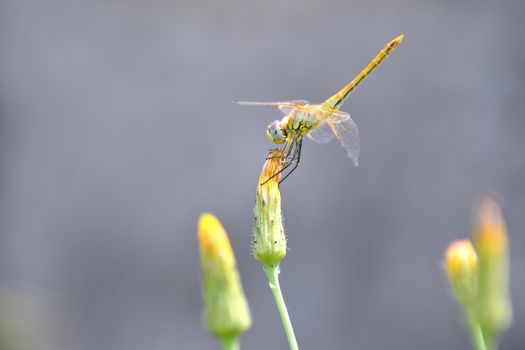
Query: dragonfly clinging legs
x=320, y=122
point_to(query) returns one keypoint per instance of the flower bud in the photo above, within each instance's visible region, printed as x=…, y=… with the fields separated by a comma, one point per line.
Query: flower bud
x=269, y=242
x=493, y=306
x=226, y=309
x=461, y=268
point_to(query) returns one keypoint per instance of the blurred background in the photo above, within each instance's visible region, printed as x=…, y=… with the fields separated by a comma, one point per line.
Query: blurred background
x=117, y=130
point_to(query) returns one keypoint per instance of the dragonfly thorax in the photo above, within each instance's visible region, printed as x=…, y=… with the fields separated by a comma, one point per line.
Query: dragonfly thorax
x=275, y=132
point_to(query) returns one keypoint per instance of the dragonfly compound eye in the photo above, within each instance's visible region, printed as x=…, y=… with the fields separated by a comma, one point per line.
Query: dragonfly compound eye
x=275, y=133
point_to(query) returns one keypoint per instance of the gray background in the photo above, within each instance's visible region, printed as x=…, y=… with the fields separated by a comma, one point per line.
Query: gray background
x=117, y=131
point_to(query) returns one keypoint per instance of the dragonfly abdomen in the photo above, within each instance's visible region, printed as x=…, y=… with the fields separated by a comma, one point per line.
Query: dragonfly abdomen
x=337, y=100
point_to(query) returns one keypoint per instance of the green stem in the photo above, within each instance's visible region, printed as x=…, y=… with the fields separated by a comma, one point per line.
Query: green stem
x=476, y=334
x=490, y=340
x=272, y=271
x=230, y=343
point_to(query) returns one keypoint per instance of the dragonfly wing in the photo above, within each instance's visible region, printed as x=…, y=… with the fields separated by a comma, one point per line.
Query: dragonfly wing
x=347, y=133
x=285, y=107
x=252, y=103
x=337, y=115
x=321, y=134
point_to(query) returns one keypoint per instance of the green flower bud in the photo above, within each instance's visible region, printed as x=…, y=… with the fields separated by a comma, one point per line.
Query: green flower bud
x=226, y=310
x=461, y=264
x=493, y=306
x=269, y=242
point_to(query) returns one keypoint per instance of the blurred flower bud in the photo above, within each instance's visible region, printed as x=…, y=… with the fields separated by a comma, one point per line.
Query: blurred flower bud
x=269, y=242
x=226, y=308
x=461, y=265
x=493, y=305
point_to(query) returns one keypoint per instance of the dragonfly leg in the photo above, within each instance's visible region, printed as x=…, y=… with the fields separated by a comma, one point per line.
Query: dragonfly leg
x=272, y=150
x=288, y=163
x=286, y=146
x=290, y=148
x=295, y=159
x=276, y=157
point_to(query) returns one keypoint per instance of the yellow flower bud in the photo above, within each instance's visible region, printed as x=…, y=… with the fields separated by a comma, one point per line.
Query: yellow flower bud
x=493, y=305
x=226, y=309
x=269, y=242
x=461, y=267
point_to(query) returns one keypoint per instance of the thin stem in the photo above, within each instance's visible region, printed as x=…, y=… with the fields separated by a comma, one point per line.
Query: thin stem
x=230, y=343
x=475, y=333
x=490, y=340
x=272, y=271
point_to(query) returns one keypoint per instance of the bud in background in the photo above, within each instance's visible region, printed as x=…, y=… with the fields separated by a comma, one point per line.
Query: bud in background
x=226, y=310
x=269, y=242
x=461, y=264
x=493, y=305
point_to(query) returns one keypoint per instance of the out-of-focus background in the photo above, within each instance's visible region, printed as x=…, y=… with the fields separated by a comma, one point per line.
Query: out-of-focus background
x=117, y=130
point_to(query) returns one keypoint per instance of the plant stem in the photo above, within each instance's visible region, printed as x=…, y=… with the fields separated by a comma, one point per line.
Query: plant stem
x=490, y=340
x=230, y=343
x=476, y=334
x=272, y=271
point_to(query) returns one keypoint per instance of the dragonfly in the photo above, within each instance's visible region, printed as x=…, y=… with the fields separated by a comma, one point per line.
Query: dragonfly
x=319, y=122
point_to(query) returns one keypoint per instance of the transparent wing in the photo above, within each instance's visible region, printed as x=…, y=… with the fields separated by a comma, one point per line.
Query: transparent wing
x=321, y=134
x=285, y=107
x=325, y=132
x=347, y=133
x=294, y=103
x=336, y=114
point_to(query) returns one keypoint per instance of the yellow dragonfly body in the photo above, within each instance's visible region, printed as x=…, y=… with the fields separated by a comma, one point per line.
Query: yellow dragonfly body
x=320, y=122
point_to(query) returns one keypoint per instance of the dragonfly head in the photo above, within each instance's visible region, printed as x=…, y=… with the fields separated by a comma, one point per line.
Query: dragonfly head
x=275, y=132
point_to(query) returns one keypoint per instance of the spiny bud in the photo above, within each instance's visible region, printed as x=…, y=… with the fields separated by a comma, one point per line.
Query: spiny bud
x=269, y=242
x=461, y=264
x=493, y=306
x=226, y=310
